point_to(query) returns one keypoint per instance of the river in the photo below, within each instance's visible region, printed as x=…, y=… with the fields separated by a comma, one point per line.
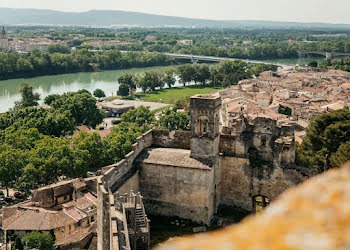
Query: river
x=105, y=80
x=59, y=84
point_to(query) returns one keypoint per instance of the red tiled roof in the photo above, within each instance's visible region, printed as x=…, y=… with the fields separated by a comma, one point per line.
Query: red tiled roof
x=34, y=219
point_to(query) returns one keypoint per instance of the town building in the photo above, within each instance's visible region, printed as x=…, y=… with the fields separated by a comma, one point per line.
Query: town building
x=151, y=38
x=4, y=41
x=303, y=92
x=186, y=42
x=67, y=209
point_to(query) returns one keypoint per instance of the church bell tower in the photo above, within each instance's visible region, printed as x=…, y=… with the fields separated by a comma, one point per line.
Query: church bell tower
x=4, y=42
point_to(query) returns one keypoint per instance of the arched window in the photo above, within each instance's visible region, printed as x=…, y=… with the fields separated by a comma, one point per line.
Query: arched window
x=259, y=203
x=203, y=125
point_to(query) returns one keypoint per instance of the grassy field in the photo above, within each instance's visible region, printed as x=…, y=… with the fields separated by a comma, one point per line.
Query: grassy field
x=174, y=94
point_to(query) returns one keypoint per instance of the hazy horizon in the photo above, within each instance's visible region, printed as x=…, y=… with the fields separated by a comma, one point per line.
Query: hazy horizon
x=321, y=11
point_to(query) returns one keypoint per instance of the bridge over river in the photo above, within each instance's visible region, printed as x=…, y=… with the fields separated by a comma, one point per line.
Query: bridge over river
x=196, y=58
x=328, y=55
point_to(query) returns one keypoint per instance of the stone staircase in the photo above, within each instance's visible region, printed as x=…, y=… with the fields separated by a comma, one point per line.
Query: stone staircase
x=135, y=221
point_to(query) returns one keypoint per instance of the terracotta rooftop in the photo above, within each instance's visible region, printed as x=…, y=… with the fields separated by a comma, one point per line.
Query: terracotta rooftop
x=77, y=236
x=75, y=213
x=34, y=219
x=170, y=157
x=313, y=216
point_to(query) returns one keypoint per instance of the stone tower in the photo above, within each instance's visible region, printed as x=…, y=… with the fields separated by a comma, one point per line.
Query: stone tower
x=205, y=113
x=4, y=42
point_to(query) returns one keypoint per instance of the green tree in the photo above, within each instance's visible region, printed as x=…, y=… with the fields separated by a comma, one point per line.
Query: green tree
x=129, y=80
x=151, y=80
x=99, y=93
x=342, y=155
x=258, y=68
x=24, y=67
x=11, y=163
x=58, y=48
x=37, y=240
x=50, y=99
x=185, y=73
x=82, y=107
x=325, y=135
x=92, y=143
x=140, y=116
x=202, y=73
x=233, y=71
x=18, y=244
x=123, y=90
x=28, y=97
x=172, y=120
x=168, y=77
x=119, y=142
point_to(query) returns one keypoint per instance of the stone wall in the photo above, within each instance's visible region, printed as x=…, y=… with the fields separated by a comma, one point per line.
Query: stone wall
x=195, y=193
x=240, y=182
x=177, y=191
x=314, y=215
x=104, y=227
x=132, y=183
x=117, y=174
x=171, y=139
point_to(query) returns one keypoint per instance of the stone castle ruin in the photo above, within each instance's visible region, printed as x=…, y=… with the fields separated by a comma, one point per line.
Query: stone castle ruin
x=189, y=174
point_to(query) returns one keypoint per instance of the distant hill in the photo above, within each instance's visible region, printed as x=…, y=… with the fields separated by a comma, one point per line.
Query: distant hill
x=109, y=18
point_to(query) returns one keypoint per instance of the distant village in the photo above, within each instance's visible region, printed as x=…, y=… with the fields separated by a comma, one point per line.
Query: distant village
x=292, y=96
x=25, y=45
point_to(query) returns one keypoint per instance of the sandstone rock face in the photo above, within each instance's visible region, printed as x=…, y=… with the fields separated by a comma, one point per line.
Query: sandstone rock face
x=314, y=215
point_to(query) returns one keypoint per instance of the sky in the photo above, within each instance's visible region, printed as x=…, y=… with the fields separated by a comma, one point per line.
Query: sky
x=325, y=11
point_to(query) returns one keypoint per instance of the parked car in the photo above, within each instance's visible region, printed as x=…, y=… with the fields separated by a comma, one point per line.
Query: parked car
x=19, y=195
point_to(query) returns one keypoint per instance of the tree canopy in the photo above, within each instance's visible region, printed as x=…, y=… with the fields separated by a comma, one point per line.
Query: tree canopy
x=29, y=98
x=37, y=240
x=326, y=140
x=123, y=90
x=82, y=107
x=171, y=119
x=99, y=93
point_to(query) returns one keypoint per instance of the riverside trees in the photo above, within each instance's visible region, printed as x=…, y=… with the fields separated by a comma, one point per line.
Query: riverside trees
x=225, y=74
x=35, y=63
